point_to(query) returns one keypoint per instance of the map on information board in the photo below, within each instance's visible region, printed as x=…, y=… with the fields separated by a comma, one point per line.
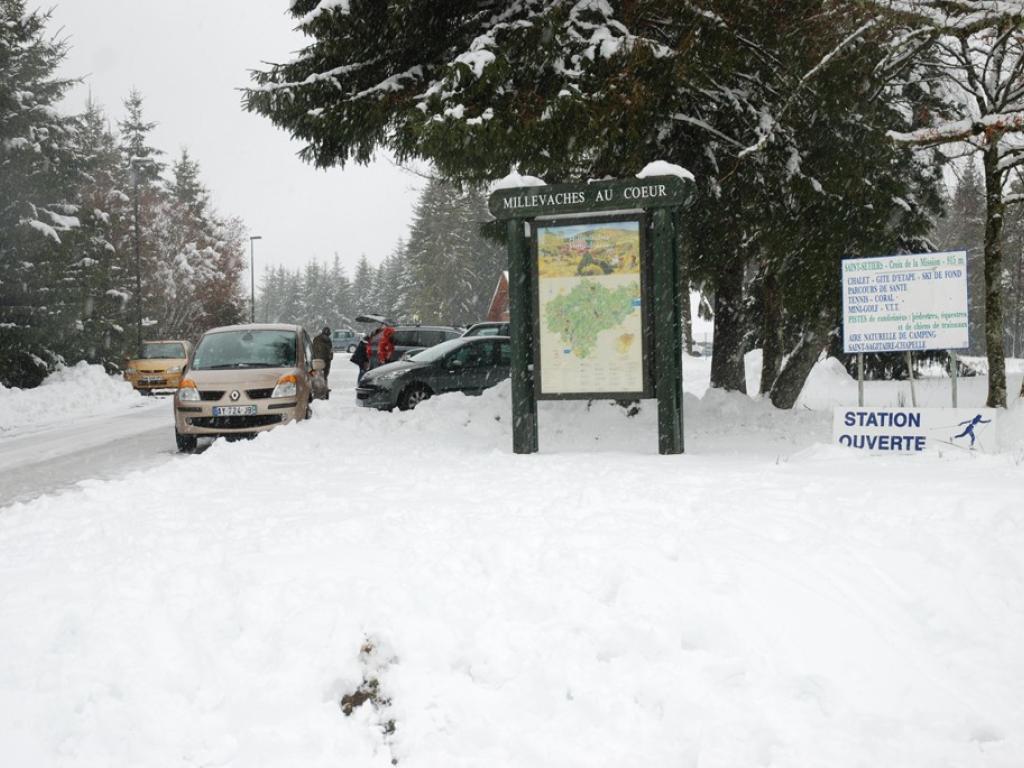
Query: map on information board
x=590, y=308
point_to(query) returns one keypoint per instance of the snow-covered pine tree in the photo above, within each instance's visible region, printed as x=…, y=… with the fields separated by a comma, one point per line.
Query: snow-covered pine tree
x=395, y=281
x=1013, y=270
x=37, y=175
x=974, y=51
x=195, y=258
x=341, y=295
x=362, y=287
x=137, y=245
x=100, y=275
x=452, y=267
x=963, y=228
x=744, y=93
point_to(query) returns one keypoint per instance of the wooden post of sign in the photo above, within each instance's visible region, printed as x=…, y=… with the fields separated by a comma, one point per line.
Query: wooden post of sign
x=667, y=336
x=860, y=379
x=910, y=375
x=520, y=310
x=953, y=373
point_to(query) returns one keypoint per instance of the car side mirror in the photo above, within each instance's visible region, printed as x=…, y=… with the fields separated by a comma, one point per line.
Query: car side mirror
x=319, y=365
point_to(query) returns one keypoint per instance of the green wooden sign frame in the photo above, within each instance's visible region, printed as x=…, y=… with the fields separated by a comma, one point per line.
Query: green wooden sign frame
x=657, y=200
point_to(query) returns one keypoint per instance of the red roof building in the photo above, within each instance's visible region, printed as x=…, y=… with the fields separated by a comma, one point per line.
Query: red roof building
x=498, y=311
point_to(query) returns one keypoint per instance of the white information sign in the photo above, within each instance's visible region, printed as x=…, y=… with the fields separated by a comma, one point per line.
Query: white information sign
x=913, y=430
x=905, y=303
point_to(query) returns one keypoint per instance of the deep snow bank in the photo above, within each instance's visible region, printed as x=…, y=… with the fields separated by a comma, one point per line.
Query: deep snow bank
x=764, y=600
x=75, y=391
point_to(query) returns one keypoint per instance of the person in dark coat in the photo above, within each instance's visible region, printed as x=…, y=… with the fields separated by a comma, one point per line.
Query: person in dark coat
x=365, y=354
x=324, y=350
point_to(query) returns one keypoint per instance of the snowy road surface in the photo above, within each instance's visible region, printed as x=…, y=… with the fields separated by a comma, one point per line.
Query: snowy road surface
x=51, y=457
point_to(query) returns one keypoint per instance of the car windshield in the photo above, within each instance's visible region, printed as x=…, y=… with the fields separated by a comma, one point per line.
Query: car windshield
x=436, y=352
x=162, y=350
x=246, y=349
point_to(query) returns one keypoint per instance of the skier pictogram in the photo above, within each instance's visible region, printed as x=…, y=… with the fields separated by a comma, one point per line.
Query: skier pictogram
x=969, y=429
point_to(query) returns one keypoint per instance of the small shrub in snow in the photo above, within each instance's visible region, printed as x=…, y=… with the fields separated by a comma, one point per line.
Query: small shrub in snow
x=373, y=662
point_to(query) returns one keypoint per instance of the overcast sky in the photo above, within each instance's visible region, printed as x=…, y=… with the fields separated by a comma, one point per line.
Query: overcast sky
x=188, y=58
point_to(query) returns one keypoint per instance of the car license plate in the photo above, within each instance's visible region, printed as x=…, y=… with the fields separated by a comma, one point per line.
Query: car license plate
x=152, y=380
x=234, y=410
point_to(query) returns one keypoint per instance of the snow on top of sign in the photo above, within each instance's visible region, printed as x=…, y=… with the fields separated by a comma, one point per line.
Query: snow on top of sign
x=664, y=168
x=514, y=179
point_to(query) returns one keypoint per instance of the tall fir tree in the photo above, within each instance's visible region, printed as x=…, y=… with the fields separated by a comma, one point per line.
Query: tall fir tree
x=452, y=267
x=362, y=287
x=37, y=176
x=755, y=98
x=104, y=277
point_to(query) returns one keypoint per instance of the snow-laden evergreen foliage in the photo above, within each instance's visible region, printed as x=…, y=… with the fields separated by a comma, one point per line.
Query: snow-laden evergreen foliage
x=445, y=274
x=779, y=108
x=68, y=188
x=974, y=53
x=37, y=196
x=453, y=268
x=314, y=296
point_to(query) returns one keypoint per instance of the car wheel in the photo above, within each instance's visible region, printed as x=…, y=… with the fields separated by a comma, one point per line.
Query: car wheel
x=186, y=443
x=351, y=348
x=412, y=396
x=309, y=412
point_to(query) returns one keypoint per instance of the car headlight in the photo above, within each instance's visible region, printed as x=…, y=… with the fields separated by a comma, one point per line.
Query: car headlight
x=131, y=370
x=174, y=369
x=187, y=392
x=387, y=377
x=287, y=386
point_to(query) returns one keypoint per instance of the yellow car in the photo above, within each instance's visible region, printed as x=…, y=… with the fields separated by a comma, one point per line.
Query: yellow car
x=159, y=366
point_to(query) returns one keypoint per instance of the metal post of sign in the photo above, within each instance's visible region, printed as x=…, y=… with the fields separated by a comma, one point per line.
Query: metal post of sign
x=954, y=372
x=667, y=333
x=520, y=309
x=910, y=375
x=860, y=379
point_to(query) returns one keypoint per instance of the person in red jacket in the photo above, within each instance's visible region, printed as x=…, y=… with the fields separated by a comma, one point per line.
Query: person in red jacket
x=386, y=345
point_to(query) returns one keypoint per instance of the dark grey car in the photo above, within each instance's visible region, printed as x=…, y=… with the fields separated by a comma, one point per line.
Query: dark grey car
x=468, y=365
x=413, y=338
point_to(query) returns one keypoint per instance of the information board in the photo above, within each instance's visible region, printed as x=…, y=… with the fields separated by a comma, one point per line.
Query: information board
x=914, y=430
x=590, y=300
x=905, y=303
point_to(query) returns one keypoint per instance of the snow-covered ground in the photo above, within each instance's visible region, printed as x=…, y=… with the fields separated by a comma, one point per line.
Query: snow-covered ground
x=81, y=425
x=68, y=394
x=766, y=599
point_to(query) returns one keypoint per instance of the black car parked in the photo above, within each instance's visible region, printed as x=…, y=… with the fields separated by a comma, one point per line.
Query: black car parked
x=415, y=338
x=468, y=365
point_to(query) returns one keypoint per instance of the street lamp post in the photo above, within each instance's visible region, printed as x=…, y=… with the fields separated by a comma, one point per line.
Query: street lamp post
x=252, y=277
x=138, y=264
